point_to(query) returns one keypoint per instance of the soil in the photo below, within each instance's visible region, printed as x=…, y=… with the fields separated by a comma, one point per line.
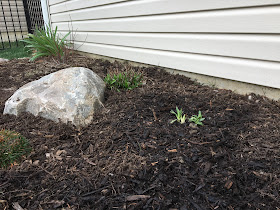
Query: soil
x=131, y=157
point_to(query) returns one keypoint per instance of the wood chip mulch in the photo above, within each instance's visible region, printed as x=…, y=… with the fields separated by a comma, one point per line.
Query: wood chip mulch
x=131, y=157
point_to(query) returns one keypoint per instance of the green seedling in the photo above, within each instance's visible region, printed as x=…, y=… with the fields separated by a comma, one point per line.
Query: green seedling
x=179, y=116
x=197, y=119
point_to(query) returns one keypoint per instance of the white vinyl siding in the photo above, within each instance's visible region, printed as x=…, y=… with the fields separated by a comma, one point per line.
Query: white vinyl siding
x=234, y=39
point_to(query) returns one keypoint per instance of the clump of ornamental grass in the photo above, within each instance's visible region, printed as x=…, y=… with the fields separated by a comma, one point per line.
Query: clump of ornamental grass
x=46, y=42
x=13, y=148
x=127, y=79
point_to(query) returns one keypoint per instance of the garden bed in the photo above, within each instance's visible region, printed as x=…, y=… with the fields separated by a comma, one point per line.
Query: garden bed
x=131, y=149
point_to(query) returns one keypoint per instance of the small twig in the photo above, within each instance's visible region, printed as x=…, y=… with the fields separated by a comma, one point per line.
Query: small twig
x=154, y=113
x=95, y=191
x=222, y=133
x=115, y=192
x=1, y=185
x=48, y=172
x=137, y=197
x=199, y=143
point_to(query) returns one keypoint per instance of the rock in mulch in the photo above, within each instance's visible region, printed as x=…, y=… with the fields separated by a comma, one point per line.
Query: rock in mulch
x=69, y=95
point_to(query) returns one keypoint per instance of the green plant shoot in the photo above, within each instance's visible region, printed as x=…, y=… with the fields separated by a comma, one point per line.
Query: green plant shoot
x=47, y=43
x=179, y=116
x=197, y=119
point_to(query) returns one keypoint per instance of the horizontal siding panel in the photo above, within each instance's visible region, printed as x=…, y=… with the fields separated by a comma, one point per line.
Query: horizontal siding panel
x=144, y=7
x=263, y=47
x=13, y=36
x=11, y=28
x=249, y=20
x=251, y=71
x=11, y=24
x=19, y=3
x=22, y=19
x=14, y=13
x=52, y=2
x=16, y=29
x=85, y=3
x=14, y=5
x=76, y=4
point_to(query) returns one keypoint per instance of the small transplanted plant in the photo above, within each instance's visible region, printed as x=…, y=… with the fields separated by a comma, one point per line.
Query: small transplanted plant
x=128, y=79
x=197, y=119
x=13, y=148
x=180, y=117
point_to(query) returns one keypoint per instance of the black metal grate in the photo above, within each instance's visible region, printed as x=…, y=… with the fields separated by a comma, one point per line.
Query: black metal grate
x=34, y=9
x=17, y=18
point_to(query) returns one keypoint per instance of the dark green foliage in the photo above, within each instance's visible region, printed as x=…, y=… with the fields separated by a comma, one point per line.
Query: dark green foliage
x=13, y=147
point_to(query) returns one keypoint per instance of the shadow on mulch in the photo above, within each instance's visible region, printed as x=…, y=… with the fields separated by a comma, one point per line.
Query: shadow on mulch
x=131, y=149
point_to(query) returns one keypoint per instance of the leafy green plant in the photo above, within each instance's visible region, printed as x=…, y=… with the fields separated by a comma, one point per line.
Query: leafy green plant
x=13, y=147
x=124, y=80
x=197, y=119
x=179, y=116
x=46, y=42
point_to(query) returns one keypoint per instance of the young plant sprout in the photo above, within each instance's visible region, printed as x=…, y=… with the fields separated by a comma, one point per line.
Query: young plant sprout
x=179, y=116
x=197, y=119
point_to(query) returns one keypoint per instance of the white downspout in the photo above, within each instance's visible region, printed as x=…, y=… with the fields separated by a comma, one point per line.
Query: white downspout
x=45, y=11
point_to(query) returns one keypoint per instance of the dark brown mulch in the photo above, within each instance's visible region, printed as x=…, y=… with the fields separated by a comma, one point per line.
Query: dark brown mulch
x=131, y=149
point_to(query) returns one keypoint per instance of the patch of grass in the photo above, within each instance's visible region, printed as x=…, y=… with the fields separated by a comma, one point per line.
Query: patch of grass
x=13, y=147
x=127, y=80
x=15, y=51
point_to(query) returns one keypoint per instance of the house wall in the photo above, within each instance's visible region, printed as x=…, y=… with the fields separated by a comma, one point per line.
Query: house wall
x=234, y=39
x=13, y=13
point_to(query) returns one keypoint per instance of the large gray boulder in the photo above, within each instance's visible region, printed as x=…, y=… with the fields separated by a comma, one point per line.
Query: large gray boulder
x=69, y=95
